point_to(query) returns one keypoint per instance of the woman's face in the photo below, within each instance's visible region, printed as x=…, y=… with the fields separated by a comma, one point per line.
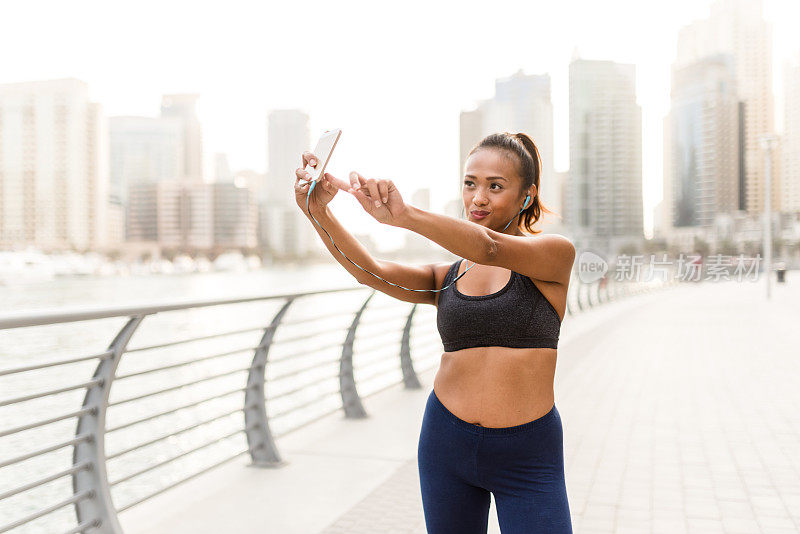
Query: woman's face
x=492, y=187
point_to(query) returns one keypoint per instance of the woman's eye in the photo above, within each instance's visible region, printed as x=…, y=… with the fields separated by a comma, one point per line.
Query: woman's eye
x=468, y=182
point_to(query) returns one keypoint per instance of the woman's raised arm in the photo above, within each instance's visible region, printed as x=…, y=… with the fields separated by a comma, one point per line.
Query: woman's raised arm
x=412, y=276
x=382, y=200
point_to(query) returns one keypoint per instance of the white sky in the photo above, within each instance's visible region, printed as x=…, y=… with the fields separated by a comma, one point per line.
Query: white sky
x=394, y=77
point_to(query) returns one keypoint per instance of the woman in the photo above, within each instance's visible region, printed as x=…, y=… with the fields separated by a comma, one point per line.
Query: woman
x=490, y=423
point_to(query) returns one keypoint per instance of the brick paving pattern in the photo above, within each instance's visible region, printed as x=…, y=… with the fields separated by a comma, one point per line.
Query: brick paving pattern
x=681, y=416
x=394, y=507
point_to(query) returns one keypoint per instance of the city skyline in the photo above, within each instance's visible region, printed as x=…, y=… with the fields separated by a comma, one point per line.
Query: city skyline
x=244, y=139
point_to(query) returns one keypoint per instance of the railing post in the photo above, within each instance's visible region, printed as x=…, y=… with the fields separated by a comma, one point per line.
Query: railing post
x=100, y=507
x=351, y=402
x=602, y=290
x=410, y=380
x=263, y=451
x=570, y=291
x=584, y=299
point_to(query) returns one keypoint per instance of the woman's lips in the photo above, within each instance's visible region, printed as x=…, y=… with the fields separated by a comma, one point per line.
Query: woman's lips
x=479, y=214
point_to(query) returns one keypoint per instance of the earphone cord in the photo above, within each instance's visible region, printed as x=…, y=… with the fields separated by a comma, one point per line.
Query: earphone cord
x=308, y=196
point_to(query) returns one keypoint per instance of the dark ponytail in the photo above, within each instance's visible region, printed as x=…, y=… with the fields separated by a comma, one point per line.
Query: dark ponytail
x=529, y=168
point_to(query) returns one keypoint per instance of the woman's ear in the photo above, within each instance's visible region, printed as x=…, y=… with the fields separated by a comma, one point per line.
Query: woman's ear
x=533, y=192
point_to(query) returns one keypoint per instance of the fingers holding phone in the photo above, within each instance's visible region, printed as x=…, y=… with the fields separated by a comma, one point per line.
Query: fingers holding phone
x=308, y=158
x=303, y=173
x=323, y=192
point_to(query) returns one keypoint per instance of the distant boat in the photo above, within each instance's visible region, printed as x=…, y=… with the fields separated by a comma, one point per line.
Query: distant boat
x=25, y=266
x=253, y=262
x=230, y=261
x=74, y=264
x=184, y=263
x=203, y=264
x=162, y=266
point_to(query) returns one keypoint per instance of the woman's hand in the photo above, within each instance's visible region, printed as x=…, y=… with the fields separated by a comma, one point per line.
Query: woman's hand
x=379, y=198
x=326, y=188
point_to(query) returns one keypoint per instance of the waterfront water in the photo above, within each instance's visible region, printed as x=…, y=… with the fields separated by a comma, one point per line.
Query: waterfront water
x=27, y=346
x=115, y=290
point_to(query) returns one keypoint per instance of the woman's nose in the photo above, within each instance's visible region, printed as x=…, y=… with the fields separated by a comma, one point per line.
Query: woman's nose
x=479, y=198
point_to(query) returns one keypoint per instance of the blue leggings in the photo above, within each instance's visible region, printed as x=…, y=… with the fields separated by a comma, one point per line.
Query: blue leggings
x=522, y=465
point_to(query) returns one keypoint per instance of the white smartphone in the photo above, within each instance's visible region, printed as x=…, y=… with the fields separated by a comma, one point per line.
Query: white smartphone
x=323, y=151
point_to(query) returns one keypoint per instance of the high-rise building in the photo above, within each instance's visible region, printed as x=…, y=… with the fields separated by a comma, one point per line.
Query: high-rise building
x=286, y=231
x=662, y=215
x=190, y=216
x=737, y=27
x=470, y=132
x=704, y=142
x=170, y=205
x=143, y=212
x=522, y=103
x=222, y=170
x=184, y=108
x=235, y=216
x=250, y=179
x=144, y=149
x=188, y=221
x=288, y=136
x=790, y=173
x=415, y=243
x=174, y=214
x=603, y=205
x=561, y=180
x=53, y=167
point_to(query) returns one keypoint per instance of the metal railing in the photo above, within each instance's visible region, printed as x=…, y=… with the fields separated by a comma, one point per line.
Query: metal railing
x=96, y=421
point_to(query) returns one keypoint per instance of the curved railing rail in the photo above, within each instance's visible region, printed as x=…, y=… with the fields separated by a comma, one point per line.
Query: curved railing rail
x=284, y=381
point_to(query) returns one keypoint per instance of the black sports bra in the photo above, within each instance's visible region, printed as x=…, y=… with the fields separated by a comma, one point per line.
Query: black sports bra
x=518, y=315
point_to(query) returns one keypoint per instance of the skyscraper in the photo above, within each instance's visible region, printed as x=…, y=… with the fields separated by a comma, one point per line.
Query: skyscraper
x=284, y=229
x=737, y=27
x=53, y=167
x=415, y=243
x=222, y=169
x=235, y=216
x=603, y=205
x=704, y=147
x=288, y=137
x=184, y=108
x=470, y=132
x=190, y=216
x=662, y=214
x=790, y=173
x=144, y=149
x=522, y=103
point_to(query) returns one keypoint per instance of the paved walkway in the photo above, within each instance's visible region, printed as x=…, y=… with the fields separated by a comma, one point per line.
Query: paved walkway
x=686, y=418
x=681, y=413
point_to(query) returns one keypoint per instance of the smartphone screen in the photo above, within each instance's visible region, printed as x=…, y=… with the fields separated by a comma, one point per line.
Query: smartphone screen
x=323, y=151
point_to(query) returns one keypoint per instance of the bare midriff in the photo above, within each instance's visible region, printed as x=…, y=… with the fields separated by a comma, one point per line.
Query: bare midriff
x=497, y=386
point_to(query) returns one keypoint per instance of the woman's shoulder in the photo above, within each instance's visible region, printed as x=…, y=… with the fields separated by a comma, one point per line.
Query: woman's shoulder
x=441, y=270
